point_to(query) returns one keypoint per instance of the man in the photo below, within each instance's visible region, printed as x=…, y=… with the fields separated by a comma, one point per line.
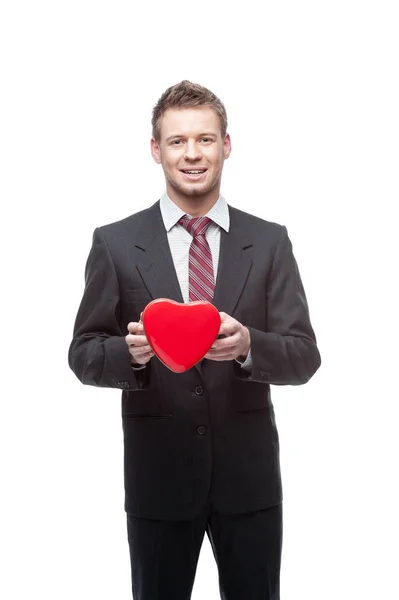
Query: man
x=201, y=448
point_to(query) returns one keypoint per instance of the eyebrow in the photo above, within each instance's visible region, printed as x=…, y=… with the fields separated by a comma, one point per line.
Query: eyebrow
x=176, y=136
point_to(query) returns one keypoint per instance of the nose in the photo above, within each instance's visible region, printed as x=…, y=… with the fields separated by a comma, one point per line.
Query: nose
x=192, y=151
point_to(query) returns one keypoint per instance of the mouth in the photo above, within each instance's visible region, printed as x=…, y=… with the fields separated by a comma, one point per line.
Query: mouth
x=193, y=174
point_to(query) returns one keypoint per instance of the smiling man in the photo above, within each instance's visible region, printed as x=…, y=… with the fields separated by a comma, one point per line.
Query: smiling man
x=201, y=448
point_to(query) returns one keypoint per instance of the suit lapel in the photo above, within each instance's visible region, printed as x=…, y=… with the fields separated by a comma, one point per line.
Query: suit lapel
x=234, y=265
x=156, y=264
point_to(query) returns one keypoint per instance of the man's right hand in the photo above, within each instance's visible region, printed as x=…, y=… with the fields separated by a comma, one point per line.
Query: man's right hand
x=139, y=348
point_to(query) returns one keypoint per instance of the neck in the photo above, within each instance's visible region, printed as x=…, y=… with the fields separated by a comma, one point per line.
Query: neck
x=195, y=206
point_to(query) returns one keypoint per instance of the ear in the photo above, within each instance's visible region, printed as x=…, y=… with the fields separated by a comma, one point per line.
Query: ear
x=227, y=146
x=155, y=151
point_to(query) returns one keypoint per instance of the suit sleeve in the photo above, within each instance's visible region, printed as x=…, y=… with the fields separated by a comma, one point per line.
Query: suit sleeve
x=286, y=352
x=98, y=353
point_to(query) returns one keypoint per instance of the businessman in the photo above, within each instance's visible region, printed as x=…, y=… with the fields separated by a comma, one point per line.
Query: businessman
x=201, y=448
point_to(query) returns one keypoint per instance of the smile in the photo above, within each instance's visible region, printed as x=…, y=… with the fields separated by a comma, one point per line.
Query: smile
x=193, y=173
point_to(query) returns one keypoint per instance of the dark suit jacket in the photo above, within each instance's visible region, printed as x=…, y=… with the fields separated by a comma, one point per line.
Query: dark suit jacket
x=208, y=432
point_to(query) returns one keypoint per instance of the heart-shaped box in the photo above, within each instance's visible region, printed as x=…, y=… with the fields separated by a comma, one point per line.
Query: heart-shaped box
x=180, y=334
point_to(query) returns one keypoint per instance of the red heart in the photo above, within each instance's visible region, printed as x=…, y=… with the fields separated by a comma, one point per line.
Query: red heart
x=180, y=334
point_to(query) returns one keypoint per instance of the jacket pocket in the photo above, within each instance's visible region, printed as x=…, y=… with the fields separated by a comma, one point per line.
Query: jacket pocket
x=136, y=296
x=143, y=404
x=138, y=417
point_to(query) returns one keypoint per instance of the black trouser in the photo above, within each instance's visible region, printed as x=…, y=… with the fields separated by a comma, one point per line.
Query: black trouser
x=247, y=549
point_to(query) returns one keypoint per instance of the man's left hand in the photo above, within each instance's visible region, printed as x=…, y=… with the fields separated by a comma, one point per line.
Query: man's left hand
x=236, y=344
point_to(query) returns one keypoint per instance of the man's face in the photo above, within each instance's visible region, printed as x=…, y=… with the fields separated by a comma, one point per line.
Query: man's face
x=191, y=151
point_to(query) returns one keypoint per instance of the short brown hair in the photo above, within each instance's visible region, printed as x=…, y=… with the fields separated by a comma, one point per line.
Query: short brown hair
x=187, y=94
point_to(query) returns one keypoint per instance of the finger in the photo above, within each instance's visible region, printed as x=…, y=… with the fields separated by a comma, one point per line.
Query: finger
x=219, y=357
x=222, y=351
x=225, y=343
x=141, y=351
x=136, y=340
x=135, y=327
x=145, y=358
x=229, y=327
x=225, y=355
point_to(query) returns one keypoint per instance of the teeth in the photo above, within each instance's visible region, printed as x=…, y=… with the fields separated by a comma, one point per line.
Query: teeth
x=194, y=172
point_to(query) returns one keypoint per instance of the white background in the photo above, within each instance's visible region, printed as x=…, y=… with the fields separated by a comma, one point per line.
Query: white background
x=311, y=91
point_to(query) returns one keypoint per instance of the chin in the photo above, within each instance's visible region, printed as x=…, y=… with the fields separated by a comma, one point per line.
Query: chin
x=197, y=191
x=193, y=190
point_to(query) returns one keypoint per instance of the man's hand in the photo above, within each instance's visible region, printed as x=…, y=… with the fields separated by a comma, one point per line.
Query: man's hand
x=139, y=348
x=236, y=344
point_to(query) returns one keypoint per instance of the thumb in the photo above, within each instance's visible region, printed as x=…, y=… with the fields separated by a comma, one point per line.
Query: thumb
x=229, y=327
x=134, y=327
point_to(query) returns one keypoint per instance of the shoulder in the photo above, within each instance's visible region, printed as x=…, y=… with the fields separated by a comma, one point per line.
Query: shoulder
x=255, y=225
x=129, y=225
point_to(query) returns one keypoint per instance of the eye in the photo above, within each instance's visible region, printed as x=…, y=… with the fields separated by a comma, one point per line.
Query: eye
x=206, y=139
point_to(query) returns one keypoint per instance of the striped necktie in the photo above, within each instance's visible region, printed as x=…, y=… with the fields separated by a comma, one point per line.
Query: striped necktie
x=201, y=280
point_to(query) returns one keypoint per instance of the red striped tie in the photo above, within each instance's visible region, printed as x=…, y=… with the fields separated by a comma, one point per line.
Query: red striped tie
x=201, y=280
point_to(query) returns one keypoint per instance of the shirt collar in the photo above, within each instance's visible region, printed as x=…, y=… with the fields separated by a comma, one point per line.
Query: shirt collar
x=171, y=213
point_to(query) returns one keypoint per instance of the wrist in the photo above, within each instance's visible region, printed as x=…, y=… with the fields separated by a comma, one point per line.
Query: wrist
x=244, y=354
x=248, y=341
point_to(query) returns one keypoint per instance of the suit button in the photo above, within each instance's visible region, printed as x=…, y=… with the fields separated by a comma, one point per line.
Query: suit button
x=201, y=430
x=123, y=384
x=199, y=390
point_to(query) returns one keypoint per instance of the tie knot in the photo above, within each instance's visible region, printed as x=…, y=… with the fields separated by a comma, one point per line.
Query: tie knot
x=196, y=226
